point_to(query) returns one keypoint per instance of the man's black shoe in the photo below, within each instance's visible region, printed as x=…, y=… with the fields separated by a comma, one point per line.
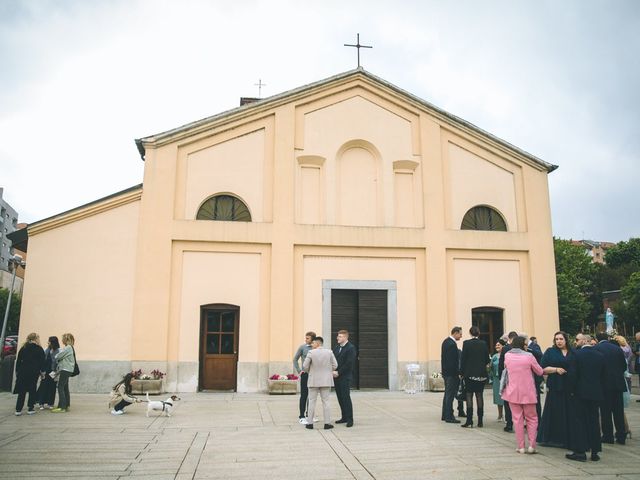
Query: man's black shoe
x=350, y=423
x=452, y=420
x=467, y=425
x=462, y=414
x=328, y=426
x=607, y=440
x=310, y=426
x=595, y=457
x=342, y=420
x=578, y=457
x=508, y=429
x=620, y=442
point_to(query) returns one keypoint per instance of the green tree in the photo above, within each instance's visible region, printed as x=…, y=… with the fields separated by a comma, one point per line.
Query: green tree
x=575, y=280
x=624, y=253
x=629, y=307
x=14, y=311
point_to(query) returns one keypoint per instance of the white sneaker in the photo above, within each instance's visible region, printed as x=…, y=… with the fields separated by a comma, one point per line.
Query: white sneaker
x=303, y=421
x=31, y=412
x=116, y=412
x=17, y=414
x=531, y=450
x=519, y=450
x=46, y=406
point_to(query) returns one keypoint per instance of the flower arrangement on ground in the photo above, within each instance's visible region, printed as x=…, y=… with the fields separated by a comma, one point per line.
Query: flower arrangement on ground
x=153, y=375
x=289, y=376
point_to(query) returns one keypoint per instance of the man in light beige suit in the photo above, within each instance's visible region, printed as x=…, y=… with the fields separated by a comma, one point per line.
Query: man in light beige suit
x=320, y=363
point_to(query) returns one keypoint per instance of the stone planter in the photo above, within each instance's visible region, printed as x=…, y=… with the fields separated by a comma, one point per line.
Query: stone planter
x=152, y=387
x=436, y=384
x=283, y=387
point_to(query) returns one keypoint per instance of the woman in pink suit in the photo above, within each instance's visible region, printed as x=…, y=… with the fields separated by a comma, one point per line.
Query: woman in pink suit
x=520, y=391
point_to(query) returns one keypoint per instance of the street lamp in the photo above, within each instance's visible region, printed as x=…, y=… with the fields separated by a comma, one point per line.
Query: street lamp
x=17, y=261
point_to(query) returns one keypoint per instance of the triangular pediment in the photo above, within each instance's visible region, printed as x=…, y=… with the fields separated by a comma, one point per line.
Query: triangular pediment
x=347, y=81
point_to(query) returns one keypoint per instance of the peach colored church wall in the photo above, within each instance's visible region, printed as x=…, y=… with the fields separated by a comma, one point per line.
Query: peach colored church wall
x=477, y=181
x=80, y=279
x=359, y=142
x=220, y=277
x=487, y=282
x=234, y=166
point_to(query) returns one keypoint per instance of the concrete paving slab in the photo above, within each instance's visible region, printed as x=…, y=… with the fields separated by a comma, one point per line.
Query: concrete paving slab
x=249, y=436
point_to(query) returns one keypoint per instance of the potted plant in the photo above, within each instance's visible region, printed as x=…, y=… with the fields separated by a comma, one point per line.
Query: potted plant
x=283, y=384
x=151, y=383
x=436, y=382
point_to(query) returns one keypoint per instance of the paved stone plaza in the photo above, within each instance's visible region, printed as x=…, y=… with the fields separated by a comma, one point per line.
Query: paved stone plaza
x=249, y=436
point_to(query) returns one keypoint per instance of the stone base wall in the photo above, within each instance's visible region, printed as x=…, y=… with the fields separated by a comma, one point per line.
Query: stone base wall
x=101, y=376
x=98, y=376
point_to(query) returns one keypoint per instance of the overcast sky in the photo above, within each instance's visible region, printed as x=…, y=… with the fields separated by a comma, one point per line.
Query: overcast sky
x=80, y=80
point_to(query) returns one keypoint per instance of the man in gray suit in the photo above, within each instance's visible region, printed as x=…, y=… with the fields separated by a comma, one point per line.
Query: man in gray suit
x=320, y=364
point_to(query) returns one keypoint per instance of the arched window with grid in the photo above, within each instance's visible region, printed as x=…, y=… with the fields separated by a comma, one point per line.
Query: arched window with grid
x=482, y=217
x=224, y=207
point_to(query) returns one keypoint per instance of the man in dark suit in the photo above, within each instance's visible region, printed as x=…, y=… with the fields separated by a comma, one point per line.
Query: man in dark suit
x=536, y=351
x=614, y=385
x=586, y=380
x=345, y=353
x=450, y=364
x=507, y=411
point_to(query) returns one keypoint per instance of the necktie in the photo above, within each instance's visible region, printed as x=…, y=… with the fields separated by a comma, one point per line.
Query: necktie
x=340, y=349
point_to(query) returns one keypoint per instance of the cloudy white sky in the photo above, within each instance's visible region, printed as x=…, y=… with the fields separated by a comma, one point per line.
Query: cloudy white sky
x=80, y=80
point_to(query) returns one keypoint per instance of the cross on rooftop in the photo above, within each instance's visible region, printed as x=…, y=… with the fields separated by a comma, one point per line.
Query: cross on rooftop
x=358, y=46
x=260, y=85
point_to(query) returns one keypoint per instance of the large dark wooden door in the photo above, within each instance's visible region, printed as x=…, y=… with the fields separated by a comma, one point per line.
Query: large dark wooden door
x=219, y=347
x=490, y=322
x=364, y=314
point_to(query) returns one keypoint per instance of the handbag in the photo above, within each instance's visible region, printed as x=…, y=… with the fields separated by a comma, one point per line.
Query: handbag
x=626, y=395
x=76, y=369
x=504, y=381
x=461, y=394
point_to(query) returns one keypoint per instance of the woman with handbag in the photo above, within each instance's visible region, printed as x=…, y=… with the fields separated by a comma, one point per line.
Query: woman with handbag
x=67, y=365
x=29, y=364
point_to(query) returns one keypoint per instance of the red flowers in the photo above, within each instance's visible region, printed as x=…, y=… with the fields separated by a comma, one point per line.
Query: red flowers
x=290, y=376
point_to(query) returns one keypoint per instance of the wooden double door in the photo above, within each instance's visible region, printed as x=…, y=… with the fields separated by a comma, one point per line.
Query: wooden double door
x=364, y=314
x=219, y=337
x=491, y=324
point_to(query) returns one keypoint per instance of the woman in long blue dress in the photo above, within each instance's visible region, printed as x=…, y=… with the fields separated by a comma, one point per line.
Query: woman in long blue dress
x=495, y=378
x=556, y=416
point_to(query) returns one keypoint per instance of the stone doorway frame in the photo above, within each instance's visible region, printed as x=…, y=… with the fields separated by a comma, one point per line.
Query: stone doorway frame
x=392, y=315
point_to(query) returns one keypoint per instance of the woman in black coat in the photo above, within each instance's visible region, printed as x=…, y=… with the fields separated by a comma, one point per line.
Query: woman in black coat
x=29, y=365
x=474, y=364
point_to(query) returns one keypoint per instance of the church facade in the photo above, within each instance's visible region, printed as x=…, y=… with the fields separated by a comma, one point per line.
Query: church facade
x=347, y=203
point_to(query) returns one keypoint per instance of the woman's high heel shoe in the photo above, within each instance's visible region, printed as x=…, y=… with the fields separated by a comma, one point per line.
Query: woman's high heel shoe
x=628, y=434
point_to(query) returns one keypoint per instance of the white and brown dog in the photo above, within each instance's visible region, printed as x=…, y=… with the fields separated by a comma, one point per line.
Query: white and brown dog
x=165, y=406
